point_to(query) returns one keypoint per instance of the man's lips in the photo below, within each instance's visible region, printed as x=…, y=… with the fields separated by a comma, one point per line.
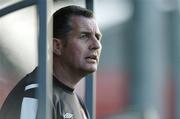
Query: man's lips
x=92, y=58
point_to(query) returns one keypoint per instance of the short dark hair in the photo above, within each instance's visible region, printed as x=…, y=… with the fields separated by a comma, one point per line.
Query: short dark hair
x=62, y=17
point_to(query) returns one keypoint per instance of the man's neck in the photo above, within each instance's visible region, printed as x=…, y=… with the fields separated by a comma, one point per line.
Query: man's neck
x=66, y=75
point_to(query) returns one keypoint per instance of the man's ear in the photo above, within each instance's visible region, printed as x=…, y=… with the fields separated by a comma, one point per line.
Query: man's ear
x=57, y=46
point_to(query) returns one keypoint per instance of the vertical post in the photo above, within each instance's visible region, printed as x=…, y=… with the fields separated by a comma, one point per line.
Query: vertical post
x=44, y=78
x=150, y=59
x=90, y=81
x=90, y=4
x=177, y=60
x=90, y=95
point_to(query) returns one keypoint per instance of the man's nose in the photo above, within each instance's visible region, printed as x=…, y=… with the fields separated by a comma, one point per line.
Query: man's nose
x=95, y=44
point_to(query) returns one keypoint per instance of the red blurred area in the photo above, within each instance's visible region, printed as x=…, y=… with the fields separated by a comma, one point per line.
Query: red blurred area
x=6, y=85
x=170, y=99
x=111, y=92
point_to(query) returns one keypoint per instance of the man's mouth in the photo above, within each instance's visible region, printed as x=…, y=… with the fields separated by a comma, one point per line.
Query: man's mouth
x=92, y=58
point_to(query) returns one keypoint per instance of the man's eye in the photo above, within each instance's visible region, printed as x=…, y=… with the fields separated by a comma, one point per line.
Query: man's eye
x=83, y=36
x=98, y=36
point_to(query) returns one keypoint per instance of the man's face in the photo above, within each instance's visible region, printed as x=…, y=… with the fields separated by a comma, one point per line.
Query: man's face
x=83, y=47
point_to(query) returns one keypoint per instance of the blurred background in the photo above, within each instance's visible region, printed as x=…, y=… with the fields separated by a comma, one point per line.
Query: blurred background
x=139, y=70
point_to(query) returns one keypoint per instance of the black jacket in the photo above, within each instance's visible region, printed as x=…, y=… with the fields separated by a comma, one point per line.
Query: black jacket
x=22, y=102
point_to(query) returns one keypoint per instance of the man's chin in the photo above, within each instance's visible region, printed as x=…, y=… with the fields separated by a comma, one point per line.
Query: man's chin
x=87, y=72
x=91, y=69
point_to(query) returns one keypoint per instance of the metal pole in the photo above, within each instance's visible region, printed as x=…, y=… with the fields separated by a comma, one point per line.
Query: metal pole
x=150, y=59
x=90, y=4
x=44, y=78
x=16, y=6
x=177, y=62
x=90, y=80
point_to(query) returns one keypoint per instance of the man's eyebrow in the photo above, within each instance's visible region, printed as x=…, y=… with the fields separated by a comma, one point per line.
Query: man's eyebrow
x=86, y=32
x=97, y=34
x=89, y=32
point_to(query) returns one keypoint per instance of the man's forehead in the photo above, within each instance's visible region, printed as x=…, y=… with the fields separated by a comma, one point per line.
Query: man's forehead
x=85, y=24
x=81, y=20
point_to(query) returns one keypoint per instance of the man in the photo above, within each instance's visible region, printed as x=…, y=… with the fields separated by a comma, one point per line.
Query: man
x=76, y=51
